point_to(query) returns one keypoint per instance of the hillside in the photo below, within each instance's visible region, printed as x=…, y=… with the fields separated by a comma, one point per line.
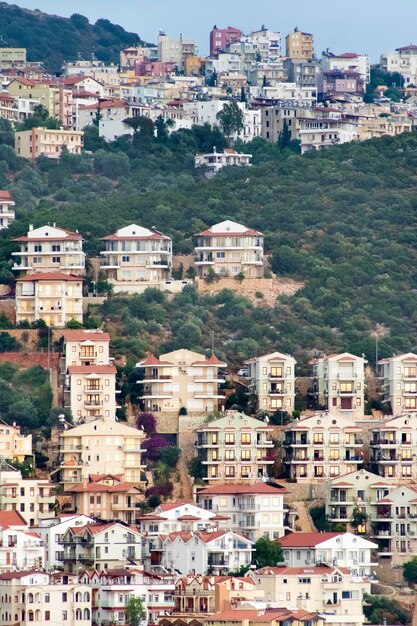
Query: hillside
x=52, y=39
x=342, y=220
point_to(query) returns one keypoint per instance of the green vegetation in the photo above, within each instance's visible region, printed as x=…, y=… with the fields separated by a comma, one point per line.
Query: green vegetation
x=135, y=611
x=410, y=571
x=381, y=609
x=52, y=39
x=25, y=396
x=267, y=553
x=320, y=519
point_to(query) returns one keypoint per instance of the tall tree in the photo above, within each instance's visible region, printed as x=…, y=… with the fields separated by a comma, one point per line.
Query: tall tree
x=135, y=611
x=231, y=119
x=267, y=553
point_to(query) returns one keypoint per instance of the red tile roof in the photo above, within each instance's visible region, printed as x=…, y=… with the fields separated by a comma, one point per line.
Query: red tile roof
x=84, y=335
x=91, y=369
x=11, y=518
x=210, y=233
x=305, y=540
x=5, y=195
x=212, y=360
x=100, y=487
x=21, y=574
x=188, y=518
x=52, y=276
x=153, y=236
x=151, y=359
x=67, y=235
x=168, y=506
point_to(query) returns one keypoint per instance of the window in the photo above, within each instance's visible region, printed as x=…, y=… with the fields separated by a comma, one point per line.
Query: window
x=276, y=372
x=245, y=455
x=334, y=438
x=406, y=471
x=56, y=259
x=245, y=439
x=318, y=438
x=334, y=455
x=47, y=616
x=229, y=471
x=64, y=596
x=229, y=455
x=229, y=439
x=245, y=471
x=125, y=259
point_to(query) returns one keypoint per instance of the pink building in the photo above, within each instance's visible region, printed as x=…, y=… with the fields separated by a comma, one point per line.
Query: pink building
x=221, y=38
x=154, y=68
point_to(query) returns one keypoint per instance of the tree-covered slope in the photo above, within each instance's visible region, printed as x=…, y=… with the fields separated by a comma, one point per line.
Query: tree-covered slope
x=52, y=39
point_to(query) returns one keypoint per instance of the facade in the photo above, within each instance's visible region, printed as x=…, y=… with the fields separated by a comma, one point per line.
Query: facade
x=31, y=144
x=272, y=382
x=398, y=375
x=322, y=446
x=20, y=548
x=182, y=379
x=53, y=297
x=326, y=130
x=235, y=448
x=12, y=57
x=215, y=161
x=302, y=72
x=34, y=499
x=175, y=50
x=254, y=510
x=221, y=38
x=264, y=617
x=340, y=380
x=136, y=258
x=7, y=214
x=403, y=61
x=55, y=97
x=299, y=45
x=392, y=447
x=50, y=249
x=227, y=249
x=13, y=445
x=51, y=532
x=348, y=61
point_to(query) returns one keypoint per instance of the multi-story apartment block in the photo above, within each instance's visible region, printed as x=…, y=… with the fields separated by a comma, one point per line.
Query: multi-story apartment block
x=7, y=214
x=322, y=446
x=358, y=492
x=33, y=499
x=327, y=129
x=348, y=61
x=55, y=97
x=403, y=61
x=107, y=497
x=392, y=448
x=182, y=379
x=235, y=448
x=214, y=161
x=221, y=38
x=272, y=382
x=101, y=546
x=103, y=445
x=254, y=510
x=90, y=392
x=136, y=258
x=51, y=532
x=398, y=375
x=53, y=297
x=302, y=72
x=179, y=517
x=299, y=45
x=264, y=617
x=267, y=44
x=175, y=50
x=85, y=347
x=334, y=549
x=13, y=445
x=31, y=144
x=50, y=249
x=33, y=596
x=340, y=380
x=12, y=57
x=19, y=547
x=228, y=248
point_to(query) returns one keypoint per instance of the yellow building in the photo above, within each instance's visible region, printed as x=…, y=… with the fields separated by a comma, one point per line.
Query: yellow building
x=31, y=144
x=10, y=57
x=56, y=98
x=13, y=445
x=299, y=45
x=193, y=65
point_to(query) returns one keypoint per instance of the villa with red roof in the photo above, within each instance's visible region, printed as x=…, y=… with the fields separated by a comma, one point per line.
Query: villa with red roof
x=7, y=214
x=182, y=379
x=340, y=384
x=228, y=249
x=19, y=547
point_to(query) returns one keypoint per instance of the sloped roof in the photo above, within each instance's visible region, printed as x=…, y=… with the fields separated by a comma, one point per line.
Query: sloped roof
x=305, y=540
x=53, y=276
x=260, y=488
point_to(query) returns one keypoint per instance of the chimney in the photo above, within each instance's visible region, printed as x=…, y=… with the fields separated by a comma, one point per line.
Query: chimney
x=30, y=227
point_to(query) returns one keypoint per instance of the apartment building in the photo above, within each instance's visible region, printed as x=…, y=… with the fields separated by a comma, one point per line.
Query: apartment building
x=20, y=548
x=196, y=595
x=214, y=161
x=182, y=379
x=299, y=45
x=90, y=391
x=49, y=249
x=254, y=510
x=398, y=376
x=180, y=516
x=55, y=97
x=102, y=445
x=196, y=552
x=85, y=347
x=228, y=249
x=272, y=382
x=7, y=214
x=33, y=596
x=392, y=448
x=221, y=38
x=31, y=144
x=107, y=497
x=51, y=532
x=357, y=492
x=404, y=61
x=322, y=446
x=12, y=57
x=54, y=297
x=340, y=381
x=175, y=50
x=326, y=130
x=235, y=448
x=264, y=617
x=13, y=445
x=334, y=549
x=34, y=499
x=101, y=546
x=137, y=258
x=348, y=61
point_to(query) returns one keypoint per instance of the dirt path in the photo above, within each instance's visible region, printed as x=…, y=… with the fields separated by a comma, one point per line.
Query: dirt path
x=303, y=521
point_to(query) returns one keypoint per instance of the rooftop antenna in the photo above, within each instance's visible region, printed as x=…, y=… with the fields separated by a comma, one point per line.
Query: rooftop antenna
x=3, y=42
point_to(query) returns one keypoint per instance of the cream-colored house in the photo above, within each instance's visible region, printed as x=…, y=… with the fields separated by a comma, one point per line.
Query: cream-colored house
x=56, y=98
x=392, y=448
x=7, y=214
x=31, y=144
x=12, y=57
x=90, y=392
x=398, y=375
x=182, y=379
x=50, y=249
x=85, y=347
x=235, y=448
x=340, y=380
x=13, y=445
x=322, y=446
x=53, y=297
x=228, y=249
x=272, y=382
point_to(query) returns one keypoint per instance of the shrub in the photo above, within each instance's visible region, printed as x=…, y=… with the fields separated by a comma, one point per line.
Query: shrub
x=154, y=500
x=170, y=455
x=154, y=447
x=146, y=422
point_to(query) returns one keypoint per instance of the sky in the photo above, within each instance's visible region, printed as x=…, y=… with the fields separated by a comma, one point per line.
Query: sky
x=362, y=26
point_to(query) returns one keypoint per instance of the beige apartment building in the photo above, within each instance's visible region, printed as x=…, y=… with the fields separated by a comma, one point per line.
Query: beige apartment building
x=182, y=379
x=7, y=214
x=322, y=446
x=12, y=57
x=392, y=448
x=98, y=447
x=236, y=448
x=54, y=97
x=299, y=45
x=398, y=376
x=50, y=249
x=394, y=524
x=53, y=297
x=31, y=144
x=340, y=384
x=137, y=258
x=85, y=347
x=13, y=445
x=272, y=382
x=228, y=249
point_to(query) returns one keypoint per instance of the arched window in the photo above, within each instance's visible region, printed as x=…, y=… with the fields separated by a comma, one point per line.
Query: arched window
x=38, y=598
x=78, y=596
x=30, y=616
x=87, y=596
x=78, y=614
x=87, y=614
x=37, y=615
x=30, y=598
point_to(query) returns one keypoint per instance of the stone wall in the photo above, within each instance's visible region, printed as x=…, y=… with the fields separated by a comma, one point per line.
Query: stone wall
x=260, y=291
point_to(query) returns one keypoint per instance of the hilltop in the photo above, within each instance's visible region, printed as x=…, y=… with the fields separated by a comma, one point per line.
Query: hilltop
x=52, y=39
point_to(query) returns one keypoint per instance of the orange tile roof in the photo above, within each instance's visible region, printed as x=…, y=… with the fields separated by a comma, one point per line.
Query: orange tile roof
x=53, y=276
x=168, y=506
x=91, y=369
x=5, y=195
x=11, y=518
x=151, y=359
x=212, y=360
x=84, y=335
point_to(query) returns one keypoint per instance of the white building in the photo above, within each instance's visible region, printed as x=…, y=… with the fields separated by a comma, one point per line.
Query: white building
x=20, y=548
x=347, y=62
x=52, y=530
x=326, y=128
x=50, y=249
x=7, y=214
x=272, y=382
x=398, y=375
x=225, y=63
x=341, y=383
x=403, y=61
x=214, y=161
x=206, y=112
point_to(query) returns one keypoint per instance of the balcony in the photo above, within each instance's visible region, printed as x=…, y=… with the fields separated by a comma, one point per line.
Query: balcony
x=85, y=356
